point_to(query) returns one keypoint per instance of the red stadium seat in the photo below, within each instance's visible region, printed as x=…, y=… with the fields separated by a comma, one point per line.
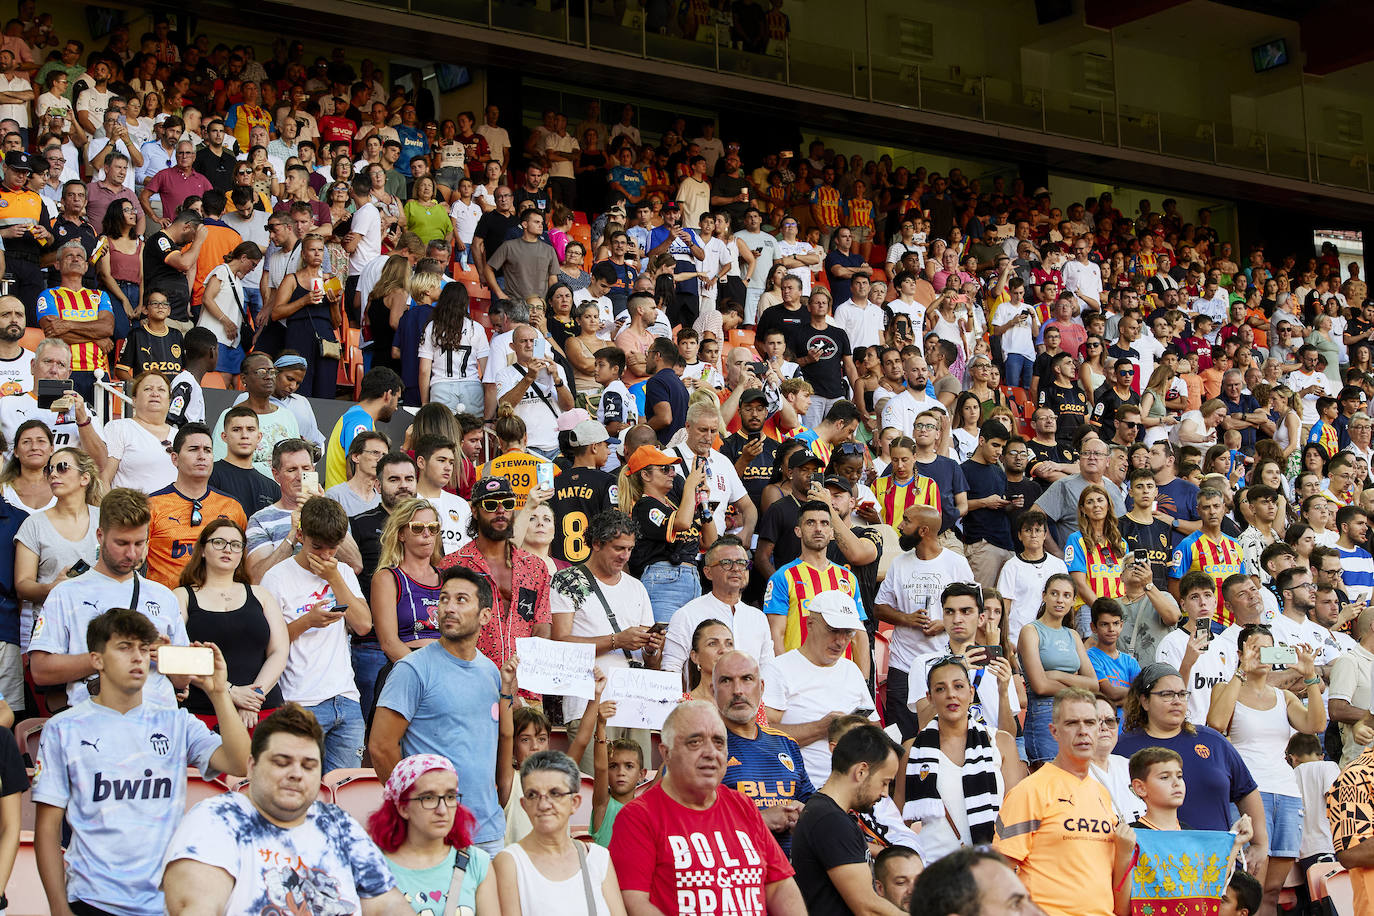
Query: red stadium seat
x=26, y=735
x=357, y=790
x=25, y=890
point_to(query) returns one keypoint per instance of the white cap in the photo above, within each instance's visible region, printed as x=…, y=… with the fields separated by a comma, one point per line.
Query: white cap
x=838, y=609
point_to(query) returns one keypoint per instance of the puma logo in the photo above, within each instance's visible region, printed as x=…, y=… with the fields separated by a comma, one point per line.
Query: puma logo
x=94, y=745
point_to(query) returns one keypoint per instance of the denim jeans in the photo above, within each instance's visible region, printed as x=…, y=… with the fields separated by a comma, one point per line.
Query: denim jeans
x=670, y=586
x=1018, y=370
x=342, y=721
x=252, y=297
x=1040, y=744
x=368, y=662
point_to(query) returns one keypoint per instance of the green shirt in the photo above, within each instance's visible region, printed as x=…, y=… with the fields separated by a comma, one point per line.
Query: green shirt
x=429, y=221
x=602, y=836
x=426, y=889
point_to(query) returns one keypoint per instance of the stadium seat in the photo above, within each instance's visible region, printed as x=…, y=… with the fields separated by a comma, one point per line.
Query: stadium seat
x=877, y=255
x=881, y=650
x=476, y=290
x=1318, y=883
x=26, y=735
x=878, y=274
x=214, y=381
x=583, y=234
x=32, y=337
x=199, y=788
x=580, y=219
x=582, y=814
x=354, y=789
x=25, y=890
x=464, y=274
x=740, y=337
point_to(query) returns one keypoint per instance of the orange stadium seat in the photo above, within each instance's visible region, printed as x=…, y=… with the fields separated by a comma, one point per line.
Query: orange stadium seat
x=357, y=790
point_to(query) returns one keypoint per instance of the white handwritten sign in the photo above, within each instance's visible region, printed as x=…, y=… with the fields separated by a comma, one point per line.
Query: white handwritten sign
x=556, y=668
x=643, y=698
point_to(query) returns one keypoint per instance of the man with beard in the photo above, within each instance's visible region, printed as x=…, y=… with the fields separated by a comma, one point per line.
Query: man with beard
x=581, y=492
x=16, y=363
x=764, y=763
x=753, y=453
x=517, y=579
x=439, y=700
x=829, y=851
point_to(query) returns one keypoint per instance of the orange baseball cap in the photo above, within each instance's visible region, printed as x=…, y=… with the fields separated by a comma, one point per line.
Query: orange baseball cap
x=647, y=455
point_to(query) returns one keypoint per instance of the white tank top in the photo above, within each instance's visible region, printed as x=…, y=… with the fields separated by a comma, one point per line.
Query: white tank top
x=1260, y=736
x=540, y=895
x=937, y=838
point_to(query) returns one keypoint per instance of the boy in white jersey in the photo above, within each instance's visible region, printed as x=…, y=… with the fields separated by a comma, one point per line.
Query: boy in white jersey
x=115, y=768
x=617, y=410
x=57, y=652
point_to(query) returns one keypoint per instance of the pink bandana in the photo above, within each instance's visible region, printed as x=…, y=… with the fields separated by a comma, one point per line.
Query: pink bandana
x=411, y=769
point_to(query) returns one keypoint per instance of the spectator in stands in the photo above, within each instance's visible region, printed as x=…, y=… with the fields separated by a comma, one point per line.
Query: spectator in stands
x=534, y=388
x=104, y=866
x=806, y=688
x=288, y=754
x=989, y=763
x=275, y=422
x=138, y=447
x=57, y=653
x=358, y=493
x=81, y=317
x=1060, y=500
x=726, y=565
x=829, y=849
x=439, y=700
x=312, y=312
x=423, y=829
x=221, y=606
x=649, y=829
x=321, y=602
x=378, y=400
x=50, y=543
x=1052, y=657
x=187, y=504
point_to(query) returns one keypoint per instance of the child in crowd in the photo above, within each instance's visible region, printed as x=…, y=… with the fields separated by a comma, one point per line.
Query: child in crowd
x=709, y=353
x=688, y=346
x=1324, y=432
x=619, y=768
x=1114, y=669
x=617, y=410
x=1157, y=779
x=1315, y=776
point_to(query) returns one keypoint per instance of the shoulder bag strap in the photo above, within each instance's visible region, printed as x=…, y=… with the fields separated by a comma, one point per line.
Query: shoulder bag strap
x=460, y=868
x=610, y=614
x=586, y=878
x=534, y=386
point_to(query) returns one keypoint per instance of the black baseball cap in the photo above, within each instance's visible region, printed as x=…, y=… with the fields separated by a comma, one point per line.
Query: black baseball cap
x=18, y=159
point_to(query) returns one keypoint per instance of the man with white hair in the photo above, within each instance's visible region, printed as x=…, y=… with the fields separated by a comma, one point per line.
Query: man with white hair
x=70, y=419
x=723, y=486
x=662, y=864
x=808, y=688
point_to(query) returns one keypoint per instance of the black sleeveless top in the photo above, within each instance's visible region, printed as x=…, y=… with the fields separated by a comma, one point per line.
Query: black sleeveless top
x=242, y=637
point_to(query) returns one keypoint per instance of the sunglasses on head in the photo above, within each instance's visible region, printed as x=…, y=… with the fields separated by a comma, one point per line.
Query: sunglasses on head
x=424, y=527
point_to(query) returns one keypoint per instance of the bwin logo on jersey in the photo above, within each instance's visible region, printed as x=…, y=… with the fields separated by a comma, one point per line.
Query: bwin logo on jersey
x=161, y=744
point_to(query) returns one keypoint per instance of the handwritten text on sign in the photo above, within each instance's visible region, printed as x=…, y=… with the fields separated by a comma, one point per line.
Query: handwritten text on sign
x=643, y=698
x=556, y=668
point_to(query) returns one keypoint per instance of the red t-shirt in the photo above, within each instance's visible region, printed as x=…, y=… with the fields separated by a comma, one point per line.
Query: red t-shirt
x=704, y=863
x=336, y=127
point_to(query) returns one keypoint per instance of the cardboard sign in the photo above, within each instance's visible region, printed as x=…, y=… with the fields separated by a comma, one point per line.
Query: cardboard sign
x=643, y=698
x=556, y=668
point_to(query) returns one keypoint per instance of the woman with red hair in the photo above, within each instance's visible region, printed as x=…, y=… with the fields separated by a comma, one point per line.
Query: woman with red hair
x=426, y=835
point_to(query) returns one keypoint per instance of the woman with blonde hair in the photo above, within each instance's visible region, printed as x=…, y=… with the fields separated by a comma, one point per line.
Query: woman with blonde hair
x=405, y=592
x=1153, y=415
x=1094, y=553
x=220, y=604
x=54, y=542
x=386, y=303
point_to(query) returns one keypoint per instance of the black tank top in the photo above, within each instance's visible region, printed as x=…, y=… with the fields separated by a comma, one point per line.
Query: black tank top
x=242, y=637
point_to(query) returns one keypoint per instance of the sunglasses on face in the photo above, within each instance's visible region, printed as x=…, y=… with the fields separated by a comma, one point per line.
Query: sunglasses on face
x=60, y=467
x=424, y=527
x=489, y=505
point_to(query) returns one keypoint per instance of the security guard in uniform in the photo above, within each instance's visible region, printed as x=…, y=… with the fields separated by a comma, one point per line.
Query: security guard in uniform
x=26, y=230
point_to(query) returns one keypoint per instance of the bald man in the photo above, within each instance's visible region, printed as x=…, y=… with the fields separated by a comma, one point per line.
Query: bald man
x=909, y=598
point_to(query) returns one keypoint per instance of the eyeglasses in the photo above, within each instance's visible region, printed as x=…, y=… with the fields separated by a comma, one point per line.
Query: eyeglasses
x=489, y=504
x=225, y=544
x=60, y=467
x=1293, y=588
x=431, y=802
x=1170, y=695
x=534, y=797
x=926, y=426
x=1096, y=454
x=728, y=565
x=424, y=527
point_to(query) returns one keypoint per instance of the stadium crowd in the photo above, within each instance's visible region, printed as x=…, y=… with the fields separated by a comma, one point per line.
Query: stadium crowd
x=988, y=533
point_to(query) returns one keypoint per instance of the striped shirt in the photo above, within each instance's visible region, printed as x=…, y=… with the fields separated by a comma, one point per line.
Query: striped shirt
x=860, y=211
x=1325, y=435
x=791, y=589
x=1357, y=572
x=1219, y=558
x=78, y=305
x=1101, y=563
x=895, y=498
x=827, y=202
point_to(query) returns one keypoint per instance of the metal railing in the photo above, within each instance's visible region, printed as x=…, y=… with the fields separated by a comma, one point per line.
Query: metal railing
x=860, y=73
